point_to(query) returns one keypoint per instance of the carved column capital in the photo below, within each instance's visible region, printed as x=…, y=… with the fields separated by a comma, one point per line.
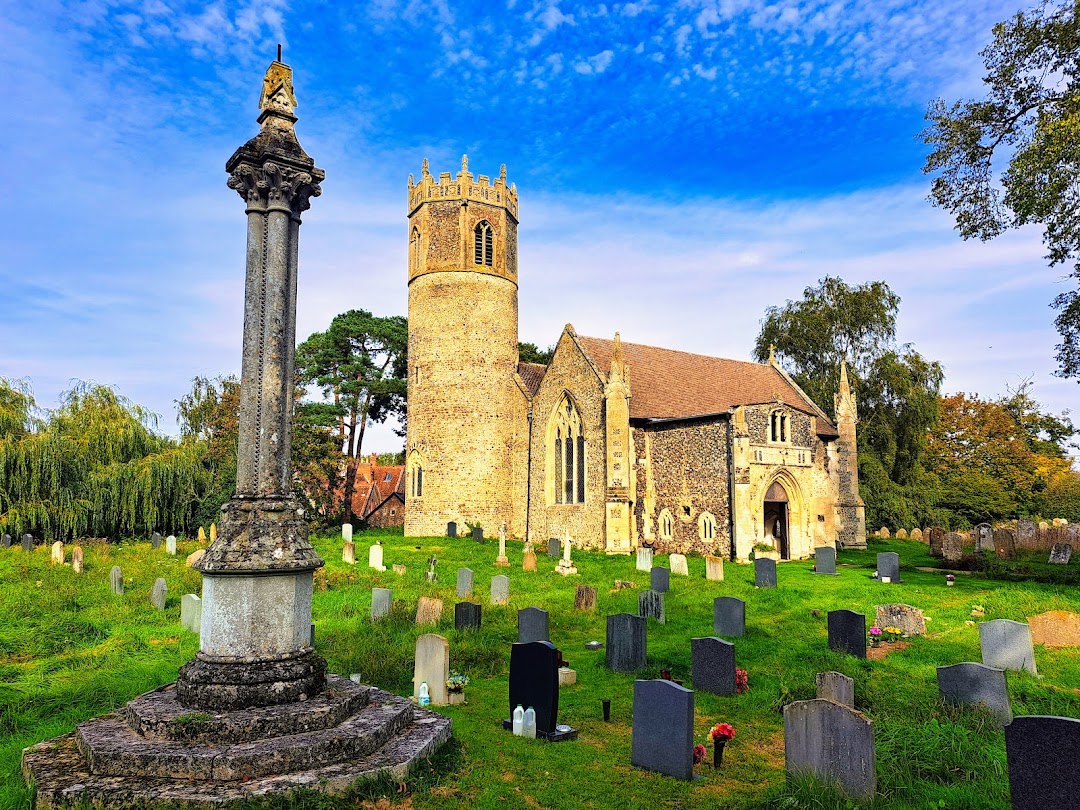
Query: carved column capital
x=272, y=184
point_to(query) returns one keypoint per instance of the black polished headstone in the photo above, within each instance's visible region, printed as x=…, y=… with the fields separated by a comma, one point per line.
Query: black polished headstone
x=467, y=615
x=729, y=616
x=626, y=640
x=712, y=665
x=534, y=681
x=451, y=529
x=533, y=625
x=847, y=632
x=663, y=735
x=660, y=579
x=764, y=572
x=825, y=560
x=554, y=547
x=1042, y=752
x=888, y=565
x=651, y=606
x=478, y=534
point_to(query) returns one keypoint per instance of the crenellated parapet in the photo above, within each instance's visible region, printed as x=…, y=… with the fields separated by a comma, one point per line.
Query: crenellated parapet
x=463, y=187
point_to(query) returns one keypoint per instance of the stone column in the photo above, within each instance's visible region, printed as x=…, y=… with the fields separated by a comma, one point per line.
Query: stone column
x=258, y=575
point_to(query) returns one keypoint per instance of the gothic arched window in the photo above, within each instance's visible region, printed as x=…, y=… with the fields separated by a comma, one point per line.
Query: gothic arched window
x=414, y=250
x=566, y=457
x=415, y=473
x=483, y=243
x=707, y=527
x=778, y=427
x=667, y=525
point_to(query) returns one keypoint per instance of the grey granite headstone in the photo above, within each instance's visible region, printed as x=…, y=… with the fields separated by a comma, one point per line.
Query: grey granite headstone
x=833, y=743
x=5, y=541
x=1042, y=753
x=644, y=559
x=28, y=542
x=847, y=632
x=712, y=665
x=651, y=606
x=191, y=612
x=976, y=684
x=888, y=566
x=467, y=615
x=451, y=529
x=1007, y=645
x=554, y=547
x=159, y=593
x=500, y=590
x=984, y=537
x=952, y=547
x=729, y=616
x=533, y=625
x=663, y=735
x=626, y=642
x=155, y=540
x=1026, y=533
x=382, y=600
x=1061, y=553
x=170, y=545
x=116, y=580
x=478, y=534
x=825, y=560
x=764, y=572
x=659, y=579
x=909, y=620
x=464, y=583
x=837, y=687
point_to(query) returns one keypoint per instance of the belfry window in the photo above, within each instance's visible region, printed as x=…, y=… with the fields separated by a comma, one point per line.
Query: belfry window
x=566, y=457
x=415, y=475
x=778, y=427
x=483, y=243
x=414, y=250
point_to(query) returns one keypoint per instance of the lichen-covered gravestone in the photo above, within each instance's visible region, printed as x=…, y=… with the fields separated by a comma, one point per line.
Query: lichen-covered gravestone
x=1007, y=645
x=908, y=619
x=714, y=569
x=585, y=598
x=678, y=564
x=651, y=606
x=159, y=593
x=428, y=610
x=626, y=642
x=952, y=547
x=833, y=743
x=835, y=686
x=1061, y=553
x=1005, y=543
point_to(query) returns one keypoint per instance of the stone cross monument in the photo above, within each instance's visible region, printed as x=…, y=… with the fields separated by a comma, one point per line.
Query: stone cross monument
x=257, y=576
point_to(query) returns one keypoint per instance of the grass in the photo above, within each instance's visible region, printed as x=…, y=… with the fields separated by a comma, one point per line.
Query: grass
x=70, y=650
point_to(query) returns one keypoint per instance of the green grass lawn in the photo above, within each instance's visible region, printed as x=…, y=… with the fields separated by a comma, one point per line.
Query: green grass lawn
x=70, y=650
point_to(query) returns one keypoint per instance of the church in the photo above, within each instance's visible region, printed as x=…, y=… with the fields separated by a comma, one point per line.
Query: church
x=613, y=443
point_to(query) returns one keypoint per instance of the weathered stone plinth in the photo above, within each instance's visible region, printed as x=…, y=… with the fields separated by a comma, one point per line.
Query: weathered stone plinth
x=156, y=750
x=216, y=686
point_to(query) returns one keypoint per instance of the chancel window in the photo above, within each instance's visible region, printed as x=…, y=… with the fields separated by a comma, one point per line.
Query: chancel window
x=667, y=525
x=778, y=427
x=707, y=527
x=567, y=455
x=483, y=243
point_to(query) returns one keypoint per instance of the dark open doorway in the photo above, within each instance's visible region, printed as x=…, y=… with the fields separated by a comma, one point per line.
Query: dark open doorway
x=776, y=519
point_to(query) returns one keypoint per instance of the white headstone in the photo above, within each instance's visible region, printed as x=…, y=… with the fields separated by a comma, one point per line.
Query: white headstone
x=170, y=545
x=644, y=559
x=57, y=557
x=677, y=563
x=191, y=612
x=714, y=569
x=375, y=558
x=346, y=532
x=432, y=667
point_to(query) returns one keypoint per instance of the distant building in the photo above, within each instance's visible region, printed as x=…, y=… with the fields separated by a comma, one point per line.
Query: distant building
x=379, y=494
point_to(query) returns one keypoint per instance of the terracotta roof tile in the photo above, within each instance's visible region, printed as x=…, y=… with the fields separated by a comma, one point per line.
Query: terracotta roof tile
x=531, y=375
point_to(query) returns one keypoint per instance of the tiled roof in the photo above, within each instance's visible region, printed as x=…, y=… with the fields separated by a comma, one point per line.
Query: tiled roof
x=666, y=384
x=531, y=375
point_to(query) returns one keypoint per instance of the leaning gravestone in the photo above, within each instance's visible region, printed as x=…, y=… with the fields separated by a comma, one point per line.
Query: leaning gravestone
x=644, y=559
x=714, y=569
x=170, y=545
x=28, y=542
x=1041, y=751
x=651, y=606
x=432, y=667
x=825, y=560
x=428, y=610
x=1061, y=553
x=554, y=547
x=976, y=684
x=500, y=590
x=888, y=566
x=5, y=541
x=1007, y=645
x=659, y=579
x=467, y=616
x=764, y=572
x=464, y=583
x=908, y=619
x=155, y=540
x=348, y=552
x=528, y=558
x=833, y=743
x=847, y=632
x=1056, y=628
x=533, y=625
x=77, y=559
x=159, y=593
x=952, y=547
x=534, y=681
x=191, y=612
x=663, y=735
x=116, y=580
x=984, y=537
x=585, y=598
x=194, y=557
x=678, y=565
x=626, y=640
x=729, y=616
x=382, y=600
x=712, y=665
x=1005, y=543
x=837, y=687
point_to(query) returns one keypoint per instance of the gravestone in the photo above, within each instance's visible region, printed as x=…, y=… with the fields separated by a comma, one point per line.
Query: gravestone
x=451, y=529
x=644, y=559
x=170, y=545
x=837, y=687
x=56, y=556
x=565, y=566
x=1026, y=533
x=901, y=534
x=467, y=615
x=888, y=566
x=28, y=542
x=729, y=616
x=883, y=533
x=428, y=610
x=1056, y=628
x=194, y=557
x=202, y=535
x=1007, y=645
x=501, y=561
x=714, y=569
x=764, y=572
x=936, y=538
x=554, y=547
x=77, y=559
x=908, y=619
x=712, y=665
x=213, y=533
x=916, y=534
x=116, y=580
x=348, y=552
x=677, y=564
x=478, y=534
x=952, y=547
x=155, y=540
x=663, y=734
x=159, y=593
x=528, y=558
x=1005, y=543
x=500, y=590
x=5, y=541
x=430, y=575
x=833, y=743
x=659, y=579
x=464, y=583
x=534, y=681
x=651, y=606
x=191, y=612
x=533, y=625
x=346, y=533
x=976, y=684
x=847, y=632
x=1042, y=751
x=432, y=667
x=382, y=601
x=825, y=560
x=626, y=642
x=375, y=558
x=585, y=598
x=1061, y=553
x=984, y=537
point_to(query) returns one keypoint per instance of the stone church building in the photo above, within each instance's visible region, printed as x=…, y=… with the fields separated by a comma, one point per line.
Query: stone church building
x=615, y=443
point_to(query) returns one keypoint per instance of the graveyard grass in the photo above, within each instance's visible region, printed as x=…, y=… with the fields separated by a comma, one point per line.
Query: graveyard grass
x=70, y=650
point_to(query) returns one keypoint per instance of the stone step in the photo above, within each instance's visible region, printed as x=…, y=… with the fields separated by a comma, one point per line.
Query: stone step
x=62, y=778
x=111, y=748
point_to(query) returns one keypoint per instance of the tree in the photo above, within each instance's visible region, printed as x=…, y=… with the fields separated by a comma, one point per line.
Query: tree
x=361, y=364
x=1030, y=117
x=209, y=419
x=528, y=353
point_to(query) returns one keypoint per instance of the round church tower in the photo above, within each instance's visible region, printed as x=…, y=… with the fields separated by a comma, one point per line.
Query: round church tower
x=463, y=351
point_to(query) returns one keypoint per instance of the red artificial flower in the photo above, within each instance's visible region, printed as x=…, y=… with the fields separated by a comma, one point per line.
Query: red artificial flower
x=699, y=754
x=722, y=731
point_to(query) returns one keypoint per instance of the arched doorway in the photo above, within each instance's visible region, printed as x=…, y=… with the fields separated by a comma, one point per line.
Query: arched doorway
x=775, y=519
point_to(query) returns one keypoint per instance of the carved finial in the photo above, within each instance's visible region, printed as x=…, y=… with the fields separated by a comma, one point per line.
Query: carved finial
x=772, y=354
x=845, y=388
x=616, y=355
x=502, y=173
x=411, y=181
x=277, y=102
x=424, y=169
x=464, y=164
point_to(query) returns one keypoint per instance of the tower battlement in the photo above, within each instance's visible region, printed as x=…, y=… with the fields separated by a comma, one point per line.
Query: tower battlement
x=463, y=187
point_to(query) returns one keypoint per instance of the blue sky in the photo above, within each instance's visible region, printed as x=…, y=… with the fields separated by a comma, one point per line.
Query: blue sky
x=681, y=166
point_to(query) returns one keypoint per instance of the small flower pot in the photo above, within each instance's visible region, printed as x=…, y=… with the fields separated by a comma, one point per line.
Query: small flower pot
x=455, y=698
x=949, y=583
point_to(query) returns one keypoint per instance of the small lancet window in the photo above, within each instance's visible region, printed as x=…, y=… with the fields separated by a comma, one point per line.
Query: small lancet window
x=778, y=426
x=667, y=525
x=483, y=243
x=414, y=249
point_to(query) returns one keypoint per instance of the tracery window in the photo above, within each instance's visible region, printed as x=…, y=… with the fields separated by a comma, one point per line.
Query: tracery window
x=667, y=525
x=707, y=527
x=567, y=454
x=483, y=243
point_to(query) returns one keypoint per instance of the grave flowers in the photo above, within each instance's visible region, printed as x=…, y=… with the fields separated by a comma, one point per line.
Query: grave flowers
x=699, y=753
x=875, y=636
x=742, y=680
x=720, y=733
x=893, y=634
x=455, y=688
x=950, y=579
